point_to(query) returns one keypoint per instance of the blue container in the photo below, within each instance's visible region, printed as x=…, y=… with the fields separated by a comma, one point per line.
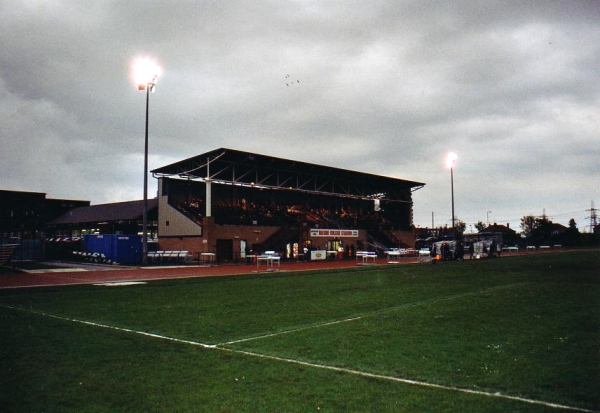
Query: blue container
x=123, y=249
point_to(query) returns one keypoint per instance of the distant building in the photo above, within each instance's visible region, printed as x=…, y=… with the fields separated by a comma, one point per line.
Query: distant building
x=502, y=234
x=557, y=229
x=113, y=218
x=23, y=218
x=504, y=229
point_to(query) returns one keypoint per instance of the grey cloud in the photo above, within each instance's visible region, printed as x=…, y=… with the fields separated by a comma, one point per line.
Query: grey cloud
x=386, y=87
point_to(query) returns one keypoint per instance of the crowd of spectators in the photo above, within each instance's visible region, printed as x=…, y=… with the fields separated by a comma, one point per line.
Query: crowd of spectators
x=245, y=212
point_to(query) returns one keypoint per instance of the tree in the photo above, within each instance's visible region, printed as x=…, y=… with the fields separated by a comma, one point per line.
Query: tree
x=528, y=224
x=460, y=227
x=571, y=236
x=537, y=230
x=480, y=226
x=543, y=230
x=573, y=225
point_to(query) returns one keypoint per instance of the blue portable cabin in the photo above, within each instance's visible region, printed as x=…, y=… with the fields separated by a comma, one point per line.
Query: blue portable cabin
x=119, y=248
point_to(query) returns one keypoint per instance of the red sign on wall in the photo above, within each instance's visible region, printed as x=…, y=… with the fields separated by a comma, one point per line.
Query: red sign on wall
x=349, y=233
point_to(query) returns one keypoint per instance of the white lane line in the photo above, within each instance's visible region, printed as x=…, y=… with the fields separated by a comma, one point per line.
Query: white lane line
x=370, y=314
x=119, y=283
x=54, y=270
x=312, y=365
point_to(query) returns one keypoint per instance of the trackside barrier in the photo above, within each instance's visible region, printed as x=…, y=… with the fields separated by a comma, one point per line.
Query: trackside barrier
x=169, y=257
x=366, y=257
x=270, y=259
x=94, y=257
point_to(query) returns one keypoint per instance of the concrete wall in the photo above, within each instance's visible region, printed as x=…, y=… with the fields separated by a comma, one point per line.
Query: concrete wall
x=171, y=222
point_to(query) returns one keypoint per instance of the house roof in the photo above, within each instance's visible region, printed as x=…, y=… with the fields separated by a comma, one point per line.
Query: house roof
x=499, y=228
x=119, y=211
x=556, y=227
x=233, y=167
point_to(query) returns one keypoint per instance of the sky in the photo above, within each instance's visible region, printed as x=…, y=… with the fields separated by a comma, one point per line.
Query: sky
x=378, y=86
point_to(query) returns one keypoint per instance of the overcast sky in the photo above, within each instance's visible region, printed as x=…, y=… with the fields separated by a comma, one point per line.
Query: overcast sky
x=384, y=87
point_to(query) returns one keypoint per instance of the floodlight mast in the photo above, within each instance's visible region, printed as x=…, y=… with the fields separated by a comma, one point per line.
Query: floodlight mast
x=450, y=160
x=146, y=75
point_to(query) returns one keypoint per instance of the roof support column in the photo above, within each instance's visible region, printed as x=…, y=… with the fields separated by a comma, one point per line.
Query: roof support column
x=208, y=202
x=208, y=198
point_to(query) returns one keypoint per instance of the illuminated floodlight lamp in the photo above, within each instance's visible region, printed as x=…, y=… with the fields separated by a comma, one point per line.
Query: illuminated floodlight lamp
x=146, y=73
x=451, y=159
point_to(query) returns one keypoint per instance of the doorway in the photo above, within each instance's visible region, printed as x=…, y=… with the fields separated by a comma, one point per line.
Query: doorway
x=225, y=250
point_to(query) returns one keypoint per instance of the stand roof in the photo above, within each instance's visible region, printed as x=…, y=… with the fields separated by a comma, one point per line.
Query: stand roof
x=233, y=167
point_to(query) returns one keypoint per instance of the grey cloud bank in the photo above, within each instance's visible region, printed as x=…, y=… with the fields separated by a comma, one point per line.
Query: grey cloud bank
x=385, y=87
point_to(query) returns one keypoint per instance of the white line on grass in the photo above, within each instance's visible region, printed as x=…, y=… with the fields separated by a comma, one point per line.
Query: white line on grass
x=409, y=381
x=308, y=364
x=370, y=314
x=123, y=329
x=293, y=330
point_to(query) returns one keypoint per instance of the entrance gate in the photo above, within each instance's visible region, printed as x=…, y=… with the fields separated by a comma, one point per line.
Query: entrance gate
x=225, y=249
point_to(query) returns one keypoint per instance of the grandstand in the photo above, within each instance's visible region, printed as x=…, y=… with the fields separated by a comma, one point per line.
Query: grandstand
x=232, y=203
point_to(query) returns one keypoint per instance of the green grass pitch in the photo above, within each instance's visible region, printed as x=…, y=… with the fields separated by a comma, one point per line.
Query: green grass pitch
x=518, y=334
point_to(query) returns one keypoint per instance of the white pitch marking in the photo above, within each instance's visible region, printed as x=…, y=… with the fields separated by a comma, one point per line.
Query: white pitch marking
x=316, y=365
x=368, y=314
x=409, y=381
x=293, y=330
x=126, y=330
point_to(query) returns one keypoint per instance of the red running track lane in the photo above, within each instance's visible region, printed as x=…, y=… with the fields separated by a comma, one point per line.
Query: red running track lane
x=69, y=276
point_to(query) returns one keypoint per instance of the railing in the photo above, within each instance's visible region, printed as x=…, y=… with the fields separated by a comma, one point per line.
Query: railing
x=6, y=253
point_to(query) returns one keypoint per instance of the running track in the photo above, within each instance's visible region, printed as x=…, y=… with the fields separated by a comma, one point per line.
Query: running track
x=86, y=274
x=90, y=274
